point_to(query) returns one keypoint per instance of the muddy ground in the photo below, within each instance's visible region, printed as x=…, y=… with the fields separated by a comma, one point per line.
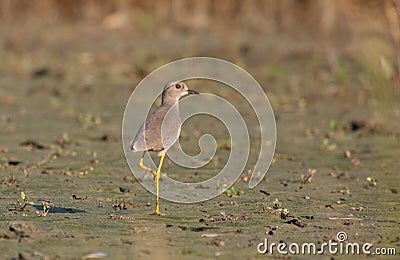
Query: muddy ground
x=63, y=90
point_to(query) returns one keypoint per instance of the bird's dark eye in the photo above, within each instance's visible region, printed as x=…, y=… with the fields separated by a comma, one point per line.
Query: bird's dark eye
x=178, y=86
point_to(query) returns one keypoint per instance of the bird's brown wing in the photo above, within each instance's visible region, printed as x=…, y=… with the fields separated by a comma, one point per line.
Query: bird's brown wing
x=148, y=136
x=152, y=130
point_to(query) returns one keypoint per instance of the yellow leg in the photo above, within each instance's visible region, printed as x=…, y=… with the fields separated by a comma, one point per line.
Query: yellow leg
x=157, y=186
x=141, y=165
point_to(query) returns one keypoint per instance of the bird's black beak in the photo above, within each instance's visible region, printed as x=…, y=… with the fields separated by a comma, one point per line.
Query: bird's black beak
x=191, y=92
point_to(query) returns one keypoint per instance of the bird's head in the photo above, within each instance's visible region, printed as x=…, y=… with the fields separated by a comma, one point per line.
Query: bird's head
x=173, y=91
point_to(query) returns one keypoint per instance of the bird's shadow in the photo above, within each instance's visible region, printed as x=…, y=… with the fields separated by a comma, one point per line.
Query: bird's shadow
x=61, y=210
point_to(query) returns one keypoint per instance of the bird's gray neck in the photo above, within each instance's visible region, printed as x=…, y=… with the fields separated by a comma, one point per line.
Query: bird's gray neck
x=169, y=102
x=171, y=106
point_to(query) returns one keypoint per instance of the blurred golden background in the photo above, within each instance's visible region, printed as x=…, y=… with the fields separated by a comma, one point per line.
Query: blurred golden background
x=261, y=35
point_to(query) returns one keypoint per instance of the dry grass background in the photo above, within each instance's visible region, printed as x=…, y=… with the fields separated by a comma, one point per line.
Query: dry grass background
x=270, y=15
x=328, y=22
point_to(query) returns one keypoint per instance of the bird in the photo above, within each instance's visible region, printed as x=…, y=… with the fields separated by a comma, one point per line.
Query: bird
x=161, y=130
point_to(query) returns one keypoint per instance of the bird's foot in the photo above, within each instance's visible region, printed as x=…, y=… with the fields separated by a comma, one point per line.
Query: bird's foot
x=158, y=214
